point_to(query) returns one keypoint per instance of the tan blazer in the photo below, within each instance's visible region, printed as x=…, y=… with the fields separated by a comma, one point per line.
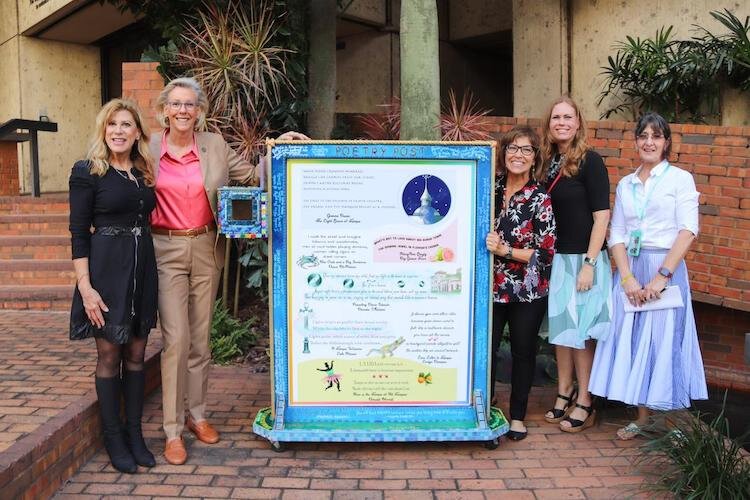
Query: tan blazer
x=219, y=165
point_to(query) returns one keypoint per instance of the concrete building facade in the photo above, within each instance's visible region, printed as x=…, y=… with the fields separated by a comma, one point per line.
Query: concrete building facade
x=61, y=58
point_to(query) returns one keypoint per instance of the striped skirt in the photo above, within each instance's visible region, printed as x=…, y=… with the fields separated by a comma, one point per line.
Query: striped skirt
x=651, y=358
x=575, y=317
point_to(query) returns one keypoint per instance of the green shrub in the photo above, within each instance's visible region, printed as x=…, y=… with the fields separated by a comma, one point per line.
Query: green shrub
x=678, y=78
x=695, y=460
x=230, y=337
x=254, y=259
x=673, y=77
x=730, y=51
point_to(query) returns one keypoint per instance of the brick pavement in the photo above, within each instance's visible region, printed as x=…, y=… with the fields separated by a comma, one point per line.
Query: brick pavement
x=548, y=464
x=41, y=371
x=48, y=415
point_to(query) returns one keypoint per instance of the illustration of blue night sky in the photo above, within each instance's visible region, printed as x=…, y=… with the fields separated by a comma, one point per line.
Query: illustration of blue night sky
x=441, y=195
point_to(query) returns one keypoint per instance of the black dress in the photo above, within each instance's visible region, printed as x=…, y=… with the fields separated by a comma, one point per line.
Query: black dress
x=122, y=265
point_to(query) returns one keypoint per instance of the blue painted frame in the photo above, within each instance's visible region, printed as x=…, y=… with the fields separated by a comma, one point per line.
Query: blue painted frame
x=282, y=422
x=257, y=227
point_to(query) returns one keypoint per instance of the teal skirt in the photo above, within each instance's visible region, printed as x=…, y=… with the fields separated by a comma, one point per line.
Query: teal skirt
x=575, y=317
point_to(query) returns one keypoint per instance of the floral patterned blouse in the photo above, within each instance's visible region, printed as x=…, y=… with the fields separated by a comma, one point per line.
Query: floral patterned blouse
x=528, y=222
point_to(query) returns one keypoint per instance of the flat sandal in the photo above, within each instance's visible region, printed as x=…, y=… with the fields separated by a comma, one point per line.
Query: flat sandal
x=559, y=414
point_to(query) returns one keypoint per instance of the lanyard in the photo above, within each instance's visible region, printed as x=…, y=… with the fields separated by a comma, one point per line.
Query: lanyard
x=640, y=212
x=556, y=163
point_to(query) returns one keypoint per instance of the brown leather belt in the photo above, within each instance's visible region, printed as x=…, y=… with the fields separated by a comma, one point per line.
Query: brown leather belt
x=190, y=233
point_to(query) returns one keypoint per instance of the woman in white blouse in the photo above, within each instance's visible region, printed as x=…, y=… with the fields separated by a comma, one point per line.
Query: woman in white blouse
x=651, y=358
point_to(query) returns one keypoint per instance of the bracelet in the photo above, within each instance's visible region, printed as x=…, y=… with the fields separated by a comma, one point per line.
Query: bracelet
x=626, y=278
x=78, y=281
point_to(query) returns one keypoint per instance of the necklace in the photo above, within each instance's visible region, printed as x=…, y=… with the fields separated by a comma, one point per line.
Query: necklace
x=127, y=177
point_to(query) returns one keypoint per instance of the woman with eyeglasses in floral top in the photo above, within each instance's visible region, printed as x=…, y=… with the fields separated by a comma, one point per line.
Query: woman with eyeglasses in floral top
x=523, y=241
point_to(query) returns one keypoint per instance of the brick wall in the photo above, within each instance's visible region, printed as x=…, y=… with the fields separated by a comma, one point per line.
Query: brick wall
x=719, y=262
x=719, y=159
x=9, y=169
x=721, y=332
x=142, y=83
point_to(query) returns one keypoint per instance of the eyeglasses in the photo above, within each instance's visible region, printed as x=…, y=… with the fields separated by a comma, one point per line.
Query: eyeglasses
x=643, y=137
x=176, y=105
x=525, y=150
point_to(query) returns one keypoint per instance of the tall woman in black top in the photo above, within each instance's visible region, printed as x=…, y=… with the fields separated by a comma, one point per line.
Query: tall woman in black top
x=115, y=297
x=580, y=305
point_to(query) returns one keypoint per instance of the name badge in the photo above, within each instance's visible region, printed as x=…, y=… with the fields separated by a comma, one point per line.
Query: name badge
x=634, y=244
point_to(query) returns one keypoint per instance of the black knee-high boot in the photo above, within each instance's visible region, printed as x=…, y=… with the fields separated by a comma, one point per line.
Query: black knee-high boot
x=134, y=385
x=108, y=392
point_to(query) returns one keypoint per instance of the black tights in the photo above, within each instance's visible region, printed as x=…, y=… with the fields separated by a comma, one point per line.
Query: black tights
x=524, y=320
x=110, y=356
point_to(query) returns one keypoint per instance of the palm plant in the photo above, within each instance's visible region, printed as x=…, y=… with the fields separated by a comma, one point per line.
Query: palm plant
x=663, y=74
x=731, y=51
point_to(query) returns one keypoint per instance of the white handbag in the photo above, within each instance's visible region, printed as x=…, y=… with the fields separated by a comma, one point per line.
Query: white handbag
x=670, y=298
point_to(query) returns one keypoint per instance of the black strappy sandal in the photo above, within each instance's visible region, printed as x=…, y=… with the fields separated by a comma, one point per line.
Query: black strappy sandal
x=559, y=414
x=579, y=425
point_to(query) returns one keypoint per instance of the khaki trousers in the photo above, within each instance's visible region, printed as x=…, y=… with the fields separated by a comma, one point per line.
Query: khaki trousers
x=188, y=282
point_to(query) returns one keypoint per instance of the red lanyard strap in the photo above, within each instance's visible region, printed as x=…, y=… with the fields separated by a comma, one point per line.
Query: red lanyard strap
x=552, y=186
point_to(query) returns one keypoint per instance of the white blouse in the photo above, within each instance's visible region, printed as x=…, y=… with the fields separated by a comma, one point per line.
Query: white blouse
x=671, y=204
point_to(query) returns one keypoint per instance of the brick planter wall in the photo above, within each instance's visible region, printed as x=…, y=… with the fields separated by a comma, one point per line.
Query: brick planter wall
x=38, y=465
x=9, y=169
x=719, y=261
x=142, y=83
x=719, y=159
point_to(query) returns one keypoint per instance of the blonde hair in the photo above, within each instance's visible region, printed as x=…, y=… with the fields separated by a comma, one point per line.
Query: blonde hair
x=578, y=145
x=185, y=83
x=99, y=153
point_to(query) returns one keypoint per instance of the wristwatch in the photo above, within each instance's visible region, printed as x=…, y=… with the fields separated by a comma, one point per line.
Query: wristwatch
x=665, y=272
x=509, y=253
x=588, y=260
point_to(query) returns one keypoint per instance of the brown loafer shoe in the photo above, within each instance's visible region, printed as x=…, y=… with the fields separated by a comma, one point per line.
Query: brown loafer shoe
x=175, y=452
x=203, y=431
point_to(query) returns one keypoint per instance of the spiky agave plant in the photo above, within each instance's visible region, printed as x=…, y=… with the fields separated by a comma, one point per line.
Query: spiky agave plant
x=464, y=121
x=229, y=50
x=262, y=62
x=384, y=126
x=246, y=134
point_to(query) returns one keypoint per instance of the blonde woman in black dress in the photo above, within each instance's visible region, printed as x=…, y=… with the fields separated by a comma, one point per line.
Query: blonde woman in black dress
x=116, y=283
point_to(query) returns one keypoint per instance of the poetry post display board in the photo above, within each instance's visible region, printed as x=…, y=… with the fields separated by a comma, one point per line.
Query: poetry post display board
x=380, y=292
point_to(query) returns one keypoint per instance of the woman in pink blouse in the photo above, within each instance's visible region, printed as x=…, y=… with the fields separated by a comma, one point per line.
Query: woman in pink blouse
x=190, y=167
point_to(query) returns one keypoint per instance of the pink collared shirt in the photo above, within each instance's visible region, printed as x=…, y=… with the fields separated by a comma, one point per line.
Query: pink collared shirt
x=181, y=201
